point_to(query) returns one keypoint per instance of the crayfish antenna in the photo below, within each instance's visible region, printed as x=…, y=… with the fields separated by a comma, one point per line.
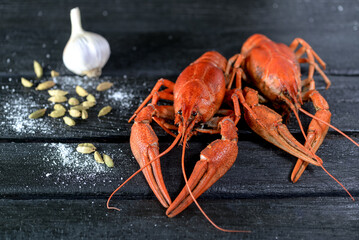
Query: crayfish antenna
x=295, y=109
x=336, y=129
x=328, y=124
x=139, y=170
x=330, y=175
x=194, y=199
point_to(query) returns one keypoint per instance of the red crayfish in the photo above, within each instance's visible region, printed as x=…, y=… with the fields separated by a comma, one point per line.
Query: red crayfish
x=201, y=96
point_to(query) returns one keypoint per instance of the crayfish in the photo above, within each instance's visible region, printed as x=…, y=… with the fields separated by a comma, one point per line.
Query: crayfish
x=208, y=98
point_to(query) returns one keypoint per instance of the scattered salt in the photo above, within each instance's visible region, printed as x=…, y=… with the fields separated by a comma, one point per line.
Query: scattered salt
x=16, y=107
x=16, y=110
x=66, y=162
x=122, y=97
x=74, y=160
x=355, y=25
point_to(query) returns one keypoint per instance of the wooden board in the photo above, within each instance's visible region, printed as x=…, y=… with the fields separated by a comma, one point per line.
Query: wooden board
x=48, y=190
x=56, y=169
x=284, y=218
x=125, y=97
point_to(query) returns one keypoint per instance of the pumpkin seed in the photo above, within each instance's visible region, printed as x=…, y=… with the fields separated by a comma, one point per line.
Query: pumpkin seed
x=54, y=73
x=58, y=99
x=73, y=101
x=38, y=69
x=26, y=83
x=69, y=121
x=74, y=113
x=104, y=86
x=88, y=104
x=81, y=91
x=104, y=111
x=85, y=148
x=45, y=85
x=108, y=160
x=98, y=157
x=37, y=114
x=59, y=107
x=57, y=92
x=91, y=98
x=84, y=114
x=57, y=113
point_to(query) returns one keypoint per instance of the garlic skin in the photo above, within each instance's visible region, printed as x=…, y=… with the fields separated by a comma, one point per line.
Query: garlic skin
x=85, y=53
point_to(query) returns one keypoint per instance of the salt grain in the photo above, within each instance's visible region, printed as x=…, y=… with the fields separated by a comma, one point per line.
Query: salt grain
x=16, y=114
x=74, y=160
x=122, y=97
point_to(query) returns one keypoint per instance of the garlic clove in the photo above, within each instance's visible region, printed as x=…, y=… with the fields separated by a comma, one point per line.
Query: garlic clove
x=86, y=53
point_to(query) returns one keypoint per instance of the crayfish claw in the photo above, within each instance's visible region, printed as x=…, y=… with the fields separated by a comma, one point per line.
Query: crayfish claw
x=269, y=125
x=144, y=145
x=215, y=160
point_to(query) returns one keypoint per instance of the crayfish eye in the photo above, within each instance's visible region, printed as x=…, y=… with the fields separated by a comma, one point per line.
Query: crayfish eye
x=179, y=112
x=194, y=114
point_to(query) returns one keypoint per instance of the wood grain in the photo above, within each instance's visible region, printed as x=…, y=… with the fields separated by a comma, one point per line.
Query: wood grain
x=161, y=37
x=125, y=96
x=285, y=218
x=57, y=170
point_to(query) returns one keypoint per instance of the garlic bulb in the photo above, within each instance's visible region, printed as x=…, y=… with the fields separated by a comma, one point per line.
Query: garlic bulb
x=85, y=53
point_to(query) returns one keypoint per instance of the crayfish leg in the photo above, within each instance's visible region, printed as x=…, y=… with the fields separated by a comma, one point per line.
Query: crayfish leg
x=156, y=94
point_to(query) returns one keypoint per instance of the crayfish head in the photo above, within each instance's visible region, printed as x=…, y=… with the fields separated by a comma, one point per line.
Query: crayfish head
x=186, y=119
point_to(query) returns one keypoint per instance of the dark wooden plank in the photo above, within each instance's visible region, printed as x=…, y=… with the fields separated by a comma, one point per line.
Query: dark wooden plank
x=126, y=95
x=161, y=37
x=300, y=218
x=19, y=102
x=55, y=169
